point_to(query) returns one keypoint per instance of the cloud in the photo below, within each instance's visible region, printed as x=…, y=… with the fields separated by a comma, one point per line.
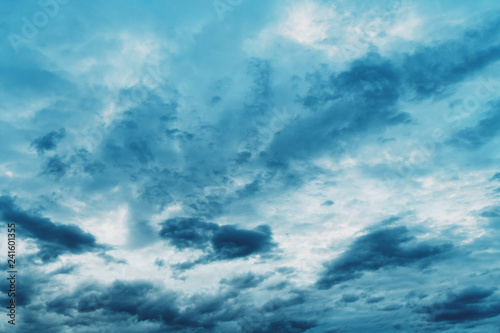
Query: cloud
x=286, y=326
x=274, y=316
x=142, y=301
x=349, y=298
x=136, y=298
x=361, y=99
x=48, y=141
x=54, y=239
x=470, y=304
x=172, y=136
x=381, y=248
x=230, y=242
x=55, y=167
x=28, y=287
x=374, y=299
x=139, y=299
x=492, y=213
x=431, y=70
x=188, y=232
x=244, y=281
x=485, y=130
x=219, y=242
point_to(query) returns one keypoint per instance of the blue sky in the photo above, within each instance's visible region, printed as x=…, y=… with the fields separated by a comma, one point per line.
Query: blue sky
x=252, y=166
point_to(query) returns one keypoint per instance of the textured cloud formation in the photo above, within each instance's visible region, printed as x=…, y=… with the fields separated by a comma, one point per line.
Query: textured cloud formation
x=483, y=132
x=470, y=304
x=220, y=242
x=244, y=281
x=188, y=232
x=48, y=141
x=377, y=249
x=223, y=166
x=54, y=239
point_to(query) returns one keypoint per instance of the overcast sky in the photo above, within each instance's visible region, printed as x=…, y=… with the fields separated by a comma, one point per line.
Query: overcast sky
x=251, y=165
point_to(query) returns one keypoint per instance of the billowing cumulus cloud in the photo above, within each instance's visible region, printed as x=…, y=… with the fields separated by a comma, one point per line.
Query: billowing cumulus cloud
x=223, y=166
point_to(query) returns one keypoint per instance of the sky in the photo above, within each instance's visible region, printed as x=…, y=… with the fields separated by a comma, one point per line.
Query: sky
x=251, y=166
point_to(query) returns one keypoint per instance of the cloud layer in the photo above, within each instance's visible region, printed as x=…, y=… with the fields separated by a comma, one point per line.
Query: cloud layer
x=251, y=166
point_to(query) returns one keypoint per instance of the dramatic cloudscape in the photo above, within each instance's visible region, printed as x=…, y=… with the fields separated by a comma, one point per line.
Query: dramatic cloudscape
x=251, y=165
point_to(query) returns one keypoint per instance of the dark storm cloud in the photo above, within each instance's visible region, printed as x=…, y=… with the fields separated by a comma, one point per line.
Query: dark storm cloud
x=28, y=286
x=142, y=301
x=433, y=69
x=470, y=304
x=359, y=100
x=286, y=326
x=139, y=299
x=220, y=242
x=54, y=239
x=274, y=316
x=135, y=298
x=363, y=99
x=296, y=298
x=188, y=232
x=48, y=141
x=381, y=248
x=230, y=242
